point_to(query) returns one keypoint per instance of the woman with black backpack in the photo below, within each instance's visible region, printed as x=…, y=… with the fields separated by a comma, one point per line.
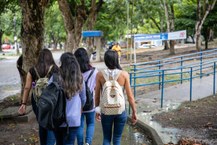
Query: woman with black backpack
x=44, y=68
x=88, y=113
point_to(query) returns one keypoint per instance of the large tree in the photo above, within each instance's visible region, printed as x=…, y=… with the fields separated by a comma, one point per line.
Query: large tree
x=75, y=14
x=32, y=34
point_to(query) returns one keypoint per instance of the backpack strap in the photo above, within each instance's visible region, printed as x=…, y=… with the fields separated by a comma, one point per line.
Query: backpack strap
x=104, y=75
x=50, y=68
x=116, y=77
x=90, y=75
x=46, y=74
x=37, y=73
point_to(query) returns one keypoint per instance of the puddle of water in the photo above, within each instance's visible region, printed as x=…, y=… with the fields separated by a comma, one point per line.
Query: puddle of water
x=136, y=137
x=166, y=134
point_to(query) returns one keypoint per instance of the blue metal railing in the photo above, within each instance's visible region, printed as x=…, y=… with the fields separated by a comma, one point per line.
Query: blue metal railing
x=174, y=70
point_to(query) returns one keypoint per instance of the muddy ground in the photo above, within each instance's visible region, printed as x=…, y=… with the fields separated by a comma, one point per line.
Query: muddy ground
x=196, y=120
x=198, y=116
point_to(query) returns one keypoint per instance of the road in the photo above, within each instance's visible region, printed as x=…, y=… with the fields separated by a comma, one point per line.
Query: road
x=9, y=75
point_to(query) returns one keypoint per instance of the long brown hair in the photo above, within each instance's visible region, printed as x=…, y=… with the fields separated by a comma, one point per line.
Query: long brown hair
x=45, y=60
x=71, y=74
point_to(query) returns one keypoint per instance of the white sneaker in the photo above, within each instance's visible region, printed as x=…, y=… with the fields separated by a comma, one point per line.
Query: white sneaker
x=86, y=143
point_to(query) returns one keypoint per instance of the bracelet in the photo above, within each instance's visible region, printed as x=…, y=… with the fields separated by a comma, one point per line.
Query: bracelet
x=23, y=103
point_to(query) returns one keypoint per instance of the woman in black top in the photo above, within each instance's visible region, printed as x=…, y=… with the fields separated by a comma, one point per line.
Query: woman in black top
x=43, y=68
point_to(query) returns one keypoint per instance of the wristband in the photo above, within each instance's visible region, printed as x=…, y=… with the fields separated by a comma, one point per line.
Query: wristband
x=23, y=103
x=98, y=109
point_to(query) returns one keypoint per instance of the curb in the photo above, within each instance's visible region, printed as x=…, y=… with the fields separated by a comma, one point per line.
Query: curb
x=11, y=113
x=156, y=140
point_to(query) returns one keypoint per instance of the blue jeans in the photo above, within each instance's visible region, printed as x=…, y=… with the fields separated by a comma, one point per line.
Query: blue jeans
x=46, y=136
x=62, y=138
x=90, y=122
x=115, y=121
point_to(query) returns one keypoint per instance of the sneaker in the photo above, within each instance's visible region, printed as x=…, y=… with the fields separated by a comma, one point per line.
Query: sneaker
x=86, y=143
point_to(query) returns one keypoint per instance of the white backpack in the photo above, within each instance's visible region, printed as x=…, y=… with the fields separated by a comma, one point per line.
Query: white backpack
x=112, y=97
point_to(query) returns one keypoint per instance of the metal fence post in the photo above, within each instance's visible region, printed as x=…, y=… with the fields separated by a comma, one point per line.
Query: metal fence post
x=201, y=62
x=191, y=74
x=134, y=81
x=181, y=69
x=214, y=74
x=133, y=90
x=159, y=74
x=162, y=89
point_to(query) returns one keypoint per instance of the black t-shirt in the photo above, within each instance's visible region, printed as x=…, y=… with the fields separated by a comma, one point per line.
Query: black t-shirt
x=35, y=77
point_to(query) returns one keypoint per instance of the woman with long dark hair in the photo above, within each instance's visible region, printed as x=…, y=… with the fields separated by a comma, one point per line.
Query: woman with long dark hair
x=74, y=87
x=116, y=121
x=88, y=113
x=45, y=66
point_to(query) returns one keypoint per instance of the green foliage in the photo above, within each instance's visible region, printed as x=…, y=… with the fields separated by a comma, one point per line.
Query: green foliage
x=10, y=23
x=185, y=13
x=10, y=17
x=112, y=20
x=54, y=26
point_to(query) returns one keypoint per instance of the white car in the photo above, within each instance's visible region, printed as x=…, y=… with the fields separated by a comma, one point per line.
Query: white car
x=145, y=46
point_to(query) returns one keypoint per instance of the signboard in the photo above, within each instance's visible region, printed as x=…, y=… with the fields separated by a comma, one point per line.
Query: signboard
x=161, y=36
x=177, y=35
x=148, y=37
x=92, y=33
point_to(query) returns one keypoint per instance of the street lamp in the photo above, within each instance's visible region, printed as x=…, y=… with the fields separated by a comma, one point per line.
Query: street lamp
x=15, y=36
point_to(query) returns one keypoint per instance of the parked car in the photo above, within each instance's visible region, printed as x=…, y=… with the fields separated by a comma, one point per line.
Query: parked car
x=6, y=46
x=146, y=46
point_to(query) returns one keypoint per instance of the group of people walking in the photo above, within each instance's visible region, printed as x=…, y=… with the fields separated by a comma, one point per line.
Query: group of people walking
x=75, y=70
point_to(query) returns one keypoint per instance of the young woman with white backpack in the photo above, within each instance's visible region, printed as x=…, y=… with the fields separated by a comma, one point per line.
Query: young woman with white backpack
x=109, y=97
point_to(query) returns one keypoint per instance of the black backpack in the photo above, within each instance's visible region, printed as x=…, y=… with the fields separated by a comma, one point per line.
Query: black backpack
x=89, y=101
x=52, y=105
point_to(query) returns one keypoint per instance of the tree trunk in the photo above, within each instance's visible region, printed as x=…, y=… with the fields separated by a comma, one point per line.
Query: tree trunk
x=166, y=46
x=211, y=35
x=22, y=73
x=198, y=40
x=1, y=34
x=32, y=31
x=172, y=28
x=74, y=22
x=172, y=47
x=170, y=23
x=206, y=37
x=200, y=20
